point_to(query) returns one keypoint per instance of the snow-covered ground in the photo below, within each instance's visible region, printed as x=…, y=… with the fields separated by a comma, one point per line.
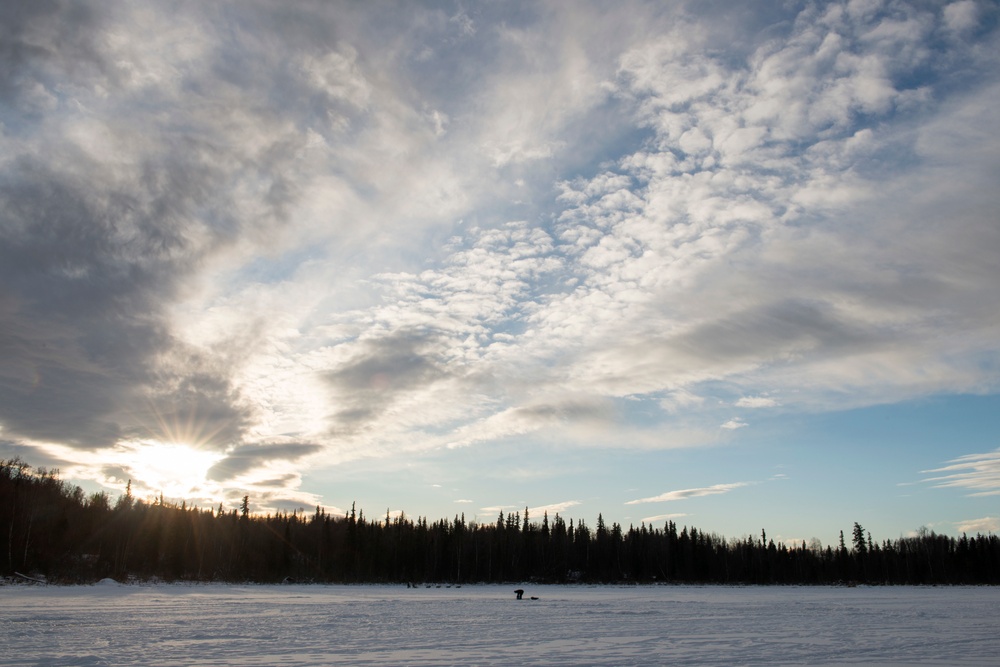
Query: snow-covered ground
x=293, y=626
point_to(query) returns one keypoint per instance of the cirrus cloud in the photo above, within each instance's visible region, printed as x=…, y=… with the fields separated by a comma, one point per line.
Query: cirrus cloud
x=684, y=494
x=979, y=474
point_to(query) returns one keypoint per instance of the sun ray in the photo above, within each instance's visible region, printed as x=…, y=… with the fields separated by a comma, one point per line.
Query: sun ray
x=177, y=470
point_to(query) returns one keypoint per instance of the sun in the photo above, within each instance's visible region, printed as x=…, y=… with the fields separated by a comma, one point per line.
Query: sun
x=173, y=469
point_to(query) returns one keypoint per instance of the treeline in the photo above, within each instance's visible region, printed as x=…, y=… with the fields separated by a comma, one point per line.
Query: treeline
x=50, y=528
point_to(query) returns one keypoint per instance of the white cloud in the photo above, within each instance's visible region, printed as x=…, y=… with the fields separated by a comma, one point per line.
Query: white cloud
x=466, y=26
x=979, y=474
x=662, y=517
x=639, y=294
x=536, y=513
x=684, y=494
x=987, y=525
x=756, y=402
x=516, y=151
x=681, y=399
x=961, y=16
x=338, y=75
x=497, y=509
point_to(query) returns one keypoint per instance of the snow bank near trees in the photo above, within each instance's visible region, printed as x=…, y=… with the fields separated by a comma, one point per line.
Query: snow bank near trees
x=298, y=626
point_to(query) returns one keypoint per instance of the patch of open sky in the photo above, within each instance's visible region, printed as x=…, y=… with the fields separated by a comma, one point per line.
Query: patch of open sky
x=965, y=77
x=462, y=42
x=893, y=154
x=644, y=410
x=602, y=150
x=962, y=423
x=753, y=16
x=268, y=269
x=19, y=120
x=509, y=329
x=852, y=449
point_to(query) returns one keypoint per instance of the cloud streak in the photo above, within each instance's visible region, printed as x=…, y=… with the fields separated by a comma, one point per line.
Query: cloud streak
x=979, y=474
x=684, y=494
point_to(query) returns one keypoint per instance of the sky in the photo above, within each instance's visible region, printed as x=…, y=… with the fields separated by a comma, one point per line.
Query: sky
x=727, y=264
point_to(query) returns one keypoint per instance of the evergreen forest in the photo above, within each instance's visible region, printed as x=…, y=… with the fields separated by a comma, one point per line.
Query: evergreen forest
x=51, y=529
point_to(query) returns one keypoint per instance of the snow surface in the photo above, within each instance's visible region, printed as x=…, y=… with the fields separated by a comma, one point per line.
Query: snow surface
x=294, y=626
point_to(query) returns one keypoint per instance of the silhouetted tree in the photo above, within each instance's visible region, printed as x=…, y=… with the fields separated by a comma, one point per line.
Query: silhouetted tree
x=51, y=528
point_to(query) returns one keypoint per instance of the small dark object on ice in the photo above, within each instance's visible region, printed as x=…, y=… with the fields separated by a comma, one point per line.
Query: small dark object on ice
x=533, y=597
x=519, y=592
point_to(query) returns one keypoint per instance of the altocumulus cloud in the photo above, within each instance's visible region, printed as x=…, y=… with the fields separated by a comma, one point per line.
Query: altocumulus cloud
x=299, y=234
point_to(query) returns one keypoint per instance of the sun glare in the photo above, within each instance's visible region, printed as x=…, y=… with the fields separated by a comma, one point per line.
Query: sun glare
x=175, y=470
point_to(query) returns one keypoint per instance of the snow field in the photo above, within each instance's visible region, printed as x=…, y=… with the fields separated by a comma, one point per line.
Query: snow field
x=298, y=626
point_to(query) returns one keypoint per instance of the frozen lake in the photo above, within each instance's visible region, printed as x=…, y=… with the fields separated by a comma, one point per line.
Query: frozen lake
x=294, y=626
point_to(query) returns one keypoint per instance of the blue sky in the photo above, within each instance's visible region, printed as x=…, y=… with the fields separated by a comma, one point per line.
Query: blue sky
x=730, y=264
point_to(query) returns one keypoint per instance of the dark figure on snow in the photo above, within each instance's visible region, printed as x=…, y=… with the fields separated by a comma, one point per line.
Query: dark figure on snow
x=519, y=592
